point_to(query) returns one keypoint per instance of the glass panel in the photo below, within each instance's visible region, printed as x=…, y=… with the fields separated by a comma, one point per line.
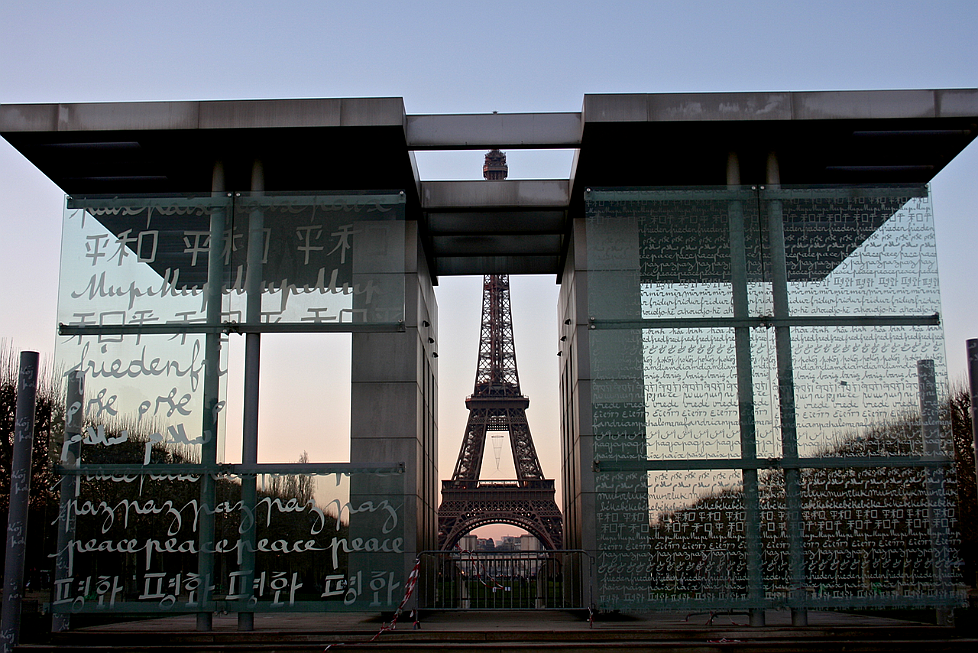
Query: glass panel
x=862, y=544
x=694, y=553
x=137, y=260
x=868, y=535
x=321, y=543
x=144, y=399
x=776, y=558
x=697, y=537
x=691, y=393
x=868, y=251
x=678, y=242
x=857, y=391
x=145, y=525
x=877, y=536
x=323, y=258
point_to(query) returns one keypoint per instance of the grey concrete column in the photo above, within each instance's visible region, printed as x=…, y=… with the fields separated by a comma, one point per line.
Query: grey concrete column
x=577, y=450
x=393, y=385
x=576, y=434
x=745, y=396
x=252, y=372
x=786, y=399
x=212, y=397
x=20, y=491
x=617, y=502
x=70, y=458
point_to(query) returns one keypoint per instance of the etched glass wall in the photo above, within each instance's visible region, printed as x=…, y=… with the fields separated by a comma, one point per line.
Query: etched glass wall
x=151, y=519
x=767, y=366
x=135, y=540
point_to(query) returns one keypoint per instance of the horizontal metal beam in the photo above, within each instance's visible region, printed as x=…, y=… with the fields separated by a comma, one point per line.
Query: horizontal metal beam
x=767, y=322
x=778, y=106
x=241, y=201
x=752, y=193
x=828, y=462
x=216, y=114
x=476, y=265
x=494, y=130
x=481, y=195
x=184, y=469
x=508, y=245
x=228, y=327
x=497, y=222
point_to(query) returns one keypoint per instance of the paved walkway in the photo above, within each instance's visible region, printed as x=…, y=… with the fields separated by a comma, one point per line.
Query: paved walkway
x=492, y=621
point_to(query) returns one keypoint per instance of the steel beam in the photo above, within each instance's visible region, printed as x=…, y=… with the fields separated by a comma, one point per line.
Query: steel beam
x=482, y=131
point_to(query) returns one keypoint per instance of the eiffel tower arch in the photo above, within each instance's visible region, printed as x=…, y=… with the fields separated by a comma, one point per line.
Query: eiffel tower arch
x=497, y=405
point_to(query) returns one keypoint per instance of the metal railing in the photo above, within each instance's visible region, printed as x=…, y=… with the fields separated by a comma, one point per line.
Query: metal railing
x=505, y=580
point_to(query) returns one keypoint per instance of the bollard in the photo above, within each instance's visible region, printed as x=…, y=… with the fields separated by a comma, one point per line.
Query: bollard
x=20, y=488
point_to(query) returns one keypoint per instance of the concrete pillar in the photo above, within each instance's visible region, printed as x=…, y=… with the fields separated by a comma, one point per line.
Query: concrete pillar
x=394, y=385
x=608, y=385
x=577, y=450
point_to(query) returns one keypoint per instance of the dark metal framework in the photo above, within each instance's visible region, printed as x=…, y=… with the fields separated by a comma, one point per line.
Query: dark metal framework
x=497, y=404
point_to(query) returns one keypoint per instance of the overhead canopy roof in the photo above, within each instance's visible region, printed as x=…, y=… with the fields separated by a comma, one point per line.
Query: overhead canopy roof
x=512, y=226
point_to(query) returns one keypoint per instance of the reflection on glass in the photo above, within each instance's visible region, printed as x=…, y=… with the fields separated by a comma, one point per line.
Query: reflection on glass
x=867, y=254
x=144, y=398
x=877, y=524
x=153, y=287
x=324, y=258
x=854, y=382
x=135, y=542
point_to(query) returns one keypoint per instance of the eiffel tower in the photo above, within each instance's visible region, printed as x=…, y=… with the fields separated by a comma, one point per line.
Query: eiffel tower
x=497, y=404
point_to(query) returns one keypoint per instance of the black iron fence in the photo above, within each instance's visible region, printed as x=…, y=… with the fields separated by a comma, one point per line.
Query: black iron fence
x=505, y=580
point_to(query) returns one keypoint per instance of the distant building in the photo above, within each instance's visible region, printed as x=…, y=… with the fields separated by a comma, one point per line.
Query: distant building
x=529, y=543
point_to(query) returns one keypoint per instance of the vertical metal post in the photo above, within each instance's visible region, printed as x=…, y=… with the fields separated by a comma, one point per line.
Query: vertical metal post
x=930, y=432
x=20, y=490
x=786, y=399
x=745, y=396
x=70, y=459
x=212, y=392
x=249, y=436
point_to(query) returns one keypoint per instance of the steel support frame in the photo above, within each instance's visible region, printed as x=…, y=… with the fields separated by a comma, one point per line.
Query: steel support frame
x=745, y=396
x=786, y=400
x=212, y=398
x=252, y=373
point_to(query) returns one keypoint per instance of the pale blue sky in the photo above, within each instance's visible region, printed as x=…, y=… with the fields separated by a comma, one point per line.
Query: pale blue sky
x=444, y=57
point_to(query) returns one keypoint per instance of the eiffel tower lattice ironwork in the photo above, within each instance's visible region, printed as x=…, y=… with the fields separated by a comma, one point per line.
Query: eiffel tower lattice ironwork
x=497, y=404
